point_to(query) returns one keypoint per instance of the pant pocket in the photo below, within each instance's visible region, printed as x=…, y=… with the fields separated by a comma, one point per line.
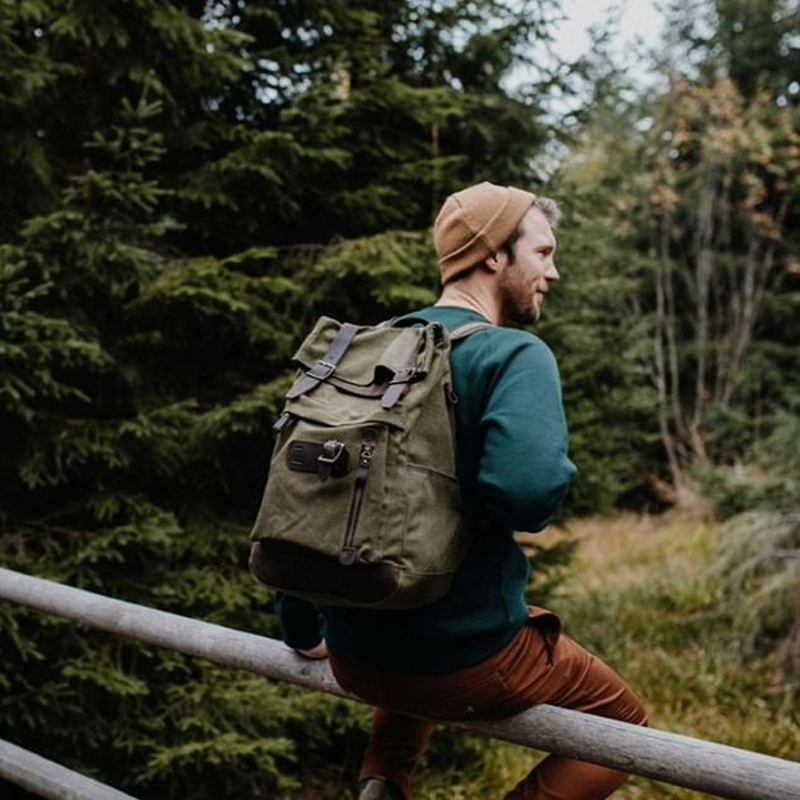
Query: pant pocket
x=549, y=626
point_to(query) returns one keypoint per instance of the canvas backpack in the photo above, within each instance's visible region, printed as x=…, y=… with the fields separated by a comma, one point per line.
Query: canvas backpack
x=362, y=504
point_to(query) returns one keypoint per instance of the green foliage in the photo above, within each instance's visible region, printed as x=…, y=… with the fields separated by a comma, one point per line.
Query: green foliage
x=361, y=117
x=757, y=565
x=550, y=566
x=647, y=598
x=694, y=185
x=373, y=277
x=594, y=323
x=749, y=40
x=766, y=477
x=186, y=186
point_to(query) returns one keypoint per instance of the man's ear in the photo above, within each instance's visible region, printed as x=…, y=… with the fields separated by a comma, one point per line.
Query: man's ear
x=495, y=261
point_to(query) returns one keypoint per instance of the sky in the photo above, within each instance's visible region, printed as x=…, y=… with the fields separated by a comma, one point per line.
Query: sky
x=639, y=19
x=638, y=29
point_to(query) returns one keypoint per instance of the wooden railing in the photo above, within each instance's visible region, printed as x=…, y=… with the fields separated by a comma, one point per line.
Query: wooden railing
x=680, y=760
x=50, y=780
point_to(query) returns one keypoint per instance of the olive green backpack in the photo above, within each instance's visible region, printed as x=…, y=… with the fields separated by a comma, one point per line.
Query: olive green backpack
x=362, y=505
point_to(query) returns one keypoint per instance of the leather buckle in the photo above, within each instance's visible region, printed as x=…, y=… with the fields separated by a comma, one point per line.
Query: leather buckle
x=403, y=376
x=321, y=370
x=332, y=451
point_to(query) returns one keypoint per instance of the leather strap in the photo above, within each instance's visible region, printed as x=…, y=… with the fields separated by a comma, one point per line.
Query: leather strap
x=399, y=382
x=324, y=368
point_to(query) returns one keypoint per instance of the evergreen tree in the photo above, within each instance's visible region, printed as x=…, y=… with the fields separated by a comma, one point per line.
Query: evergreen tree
x=595, y=319
x=703, y=170
x=752, y=42
x=376, y=110
x=188, y=186
x=135, y=387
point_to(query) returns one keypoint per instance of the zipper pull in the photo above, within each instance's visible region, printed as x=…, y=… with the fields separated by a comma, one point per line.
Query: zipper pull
x=347, y=555
x=365, y=461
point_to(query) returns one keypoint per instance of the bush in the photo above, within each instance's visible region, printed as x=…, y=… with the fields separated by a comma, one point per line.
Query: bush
x=758, y=565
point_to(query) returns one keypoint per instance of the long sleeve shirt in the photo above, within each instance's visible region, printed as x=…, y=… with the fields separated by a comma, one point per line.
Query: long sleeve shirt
x=514, y=470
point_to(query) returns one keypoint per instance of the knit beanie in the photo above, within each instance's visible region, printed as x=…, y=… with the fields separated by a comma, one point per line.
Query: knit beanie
x=474, y=223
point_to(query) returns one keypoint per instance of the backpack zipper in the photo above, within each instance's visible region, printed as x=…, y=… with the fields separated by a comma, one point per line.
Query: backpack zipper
x=347, y=556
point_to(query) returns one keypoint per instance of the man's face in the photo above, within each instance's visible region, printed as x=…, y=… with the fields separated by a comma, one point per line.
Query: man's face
x=525, y=280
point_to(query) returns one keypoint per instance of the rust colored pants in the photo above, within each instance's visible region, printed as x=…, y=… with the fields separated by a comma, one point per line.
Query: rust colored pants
x=540, y=665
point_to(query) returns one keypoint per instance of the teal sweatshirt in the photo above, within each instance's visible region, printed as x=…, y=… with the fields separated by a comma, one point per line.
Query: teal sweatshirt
x=514, y=471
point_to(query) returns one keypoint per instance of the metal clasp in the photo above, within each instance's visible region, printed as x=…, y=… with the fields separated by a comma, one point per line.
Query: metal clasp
x=331, y=453
x=321, y=370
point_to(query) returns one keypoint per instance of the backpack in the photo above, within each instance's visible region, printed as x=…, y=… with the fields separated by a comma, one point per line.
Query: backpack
x=362, y=505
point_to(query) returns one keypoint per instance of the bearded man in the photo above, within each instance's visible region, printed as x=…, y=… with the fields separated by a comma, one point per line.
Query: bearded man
x=481, y=651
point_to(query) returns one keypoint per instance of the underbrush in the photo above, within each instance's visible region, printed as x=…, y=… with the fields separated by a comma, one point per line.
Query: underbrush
x=759, y=571
x=647, y=595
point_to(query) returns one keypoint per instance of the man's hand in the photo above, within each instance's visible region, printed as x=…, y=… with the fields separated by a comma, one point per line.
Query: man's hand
x=318, y=651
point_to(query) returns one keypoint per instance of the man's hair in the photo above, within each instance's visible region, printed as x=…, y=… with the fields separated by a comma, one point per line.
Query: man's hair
x=552, y=214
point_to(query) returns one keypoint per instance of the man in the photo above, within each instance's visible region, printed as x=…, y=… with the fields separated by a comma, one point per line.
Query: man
x=480, y=651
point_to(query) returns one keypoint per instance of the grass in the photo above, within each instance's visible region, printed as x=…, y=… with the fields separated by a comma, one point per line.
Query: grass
x=640, y=594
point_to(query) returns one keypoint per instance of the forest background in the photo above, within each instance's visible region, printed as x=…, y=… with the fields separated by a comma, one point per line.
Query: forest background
x=188, y=184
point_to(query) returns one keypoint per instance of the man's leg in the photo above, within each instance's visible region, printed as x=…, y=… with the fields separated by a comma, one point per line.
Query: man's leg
x=539, y=666
x=576, y=679
x=395, y=746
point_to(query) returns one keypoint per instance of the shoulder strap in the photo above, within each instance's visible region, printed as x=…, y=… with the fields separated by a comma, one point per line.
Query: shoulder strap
x=459, y=332
x=407, y=321
x=467, y=329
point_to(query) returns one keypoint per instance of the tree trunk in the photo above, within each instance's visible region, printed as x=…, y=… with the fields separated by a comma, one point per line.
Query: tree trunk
x=704, y=271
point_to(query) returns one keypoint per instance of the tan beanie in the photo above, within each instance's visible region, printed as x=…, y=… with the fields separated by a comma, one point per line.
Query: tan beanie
x=474, y=223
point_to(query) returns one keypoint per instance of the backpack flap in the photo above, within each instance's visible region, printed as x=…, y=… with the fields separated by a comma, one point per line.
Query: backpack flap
x=373, y=356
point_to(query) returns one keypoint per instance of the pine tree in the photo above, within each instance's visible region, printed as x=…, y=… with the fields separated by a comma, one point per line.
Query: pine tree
x=188, y=185
x=131, y=376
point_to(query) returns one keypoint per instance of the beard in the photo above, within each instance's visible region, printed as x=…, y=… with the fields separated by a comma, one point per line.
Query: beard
x=519, y=301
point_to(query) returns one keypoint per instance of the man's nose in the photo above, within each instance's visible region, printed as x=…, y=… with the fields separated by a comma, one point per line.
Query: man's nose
x=551, y=273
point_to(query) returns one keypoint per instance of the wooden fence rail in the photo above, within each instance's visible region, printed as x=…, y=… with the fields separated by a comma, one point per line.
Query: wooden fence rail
x=693, y=763
x=50, y=780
